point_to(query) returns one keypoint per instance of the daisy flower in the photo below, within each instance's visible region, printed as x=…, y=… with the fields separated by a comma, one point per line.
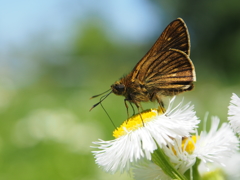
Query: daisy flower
x=234, y=113
x=209, y=148
x=139, y=136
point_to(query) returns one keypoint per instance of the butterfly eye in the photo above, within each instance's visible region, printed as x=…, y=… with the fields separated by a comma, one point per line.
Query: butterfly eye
x=118, y=89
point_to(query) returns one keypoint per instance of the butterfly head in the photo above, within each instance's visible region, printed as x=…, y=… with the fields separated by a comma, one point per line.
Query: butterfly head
x=118, y=88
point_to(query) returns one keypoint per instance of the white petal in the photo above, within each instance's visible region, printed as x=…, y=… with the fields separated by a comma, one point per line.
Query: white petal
x=217, y=144
x=184, y=117
x=120, y=153
x=234, y=113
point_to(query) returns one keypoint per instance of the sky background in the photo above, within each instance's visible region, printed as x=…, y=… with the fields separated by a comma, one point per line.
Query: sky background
x=20, y=20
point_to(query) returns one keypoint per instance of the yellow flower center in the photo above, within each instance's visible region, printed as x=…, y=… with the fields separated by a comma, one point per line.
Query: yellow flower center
x=137, y=121
x=190, y=146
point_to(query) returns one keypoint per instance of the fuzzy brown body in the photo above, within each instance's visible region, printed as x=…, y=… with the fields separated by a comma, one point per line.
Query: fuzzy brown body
x=165, y=70
x=143, y=92
x=137, y=91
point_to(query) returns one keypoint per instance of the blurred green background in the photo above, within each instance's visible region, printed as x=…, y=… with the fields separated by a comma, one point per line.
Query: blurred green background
x=56, y=54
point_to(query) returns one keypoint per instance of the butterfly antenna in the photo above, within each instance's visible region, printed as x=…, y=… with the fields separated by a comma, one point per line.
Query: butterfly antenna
x=101, y=99
x=100, y=94
x=108, y=116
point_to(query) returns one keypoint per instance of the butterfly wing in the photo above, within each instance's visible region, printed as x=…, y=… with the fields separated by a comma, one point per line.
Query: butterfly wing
x=174, y=36
x=172, y=71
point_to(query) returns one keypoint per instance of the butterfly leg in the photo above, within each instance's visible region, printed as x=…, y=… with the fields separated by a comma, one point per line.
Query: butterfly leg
x=160, y=102
x=125, y=102
x=132, y=108
x=138, y=105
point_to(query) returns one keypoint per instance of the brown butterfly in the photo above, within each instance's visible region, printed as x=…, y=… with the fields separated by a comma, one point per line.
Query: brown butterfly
x=165, y=70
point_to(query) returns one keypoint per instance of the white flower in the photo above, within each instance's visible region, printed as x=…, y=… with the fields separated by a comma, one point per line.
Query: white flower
x=234, y=113
x=140, y=135
x=211, y=148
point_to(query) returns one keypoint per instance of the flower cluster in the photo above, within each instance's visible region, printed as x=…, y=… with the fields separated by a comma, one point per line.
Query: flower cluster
x=165, y=144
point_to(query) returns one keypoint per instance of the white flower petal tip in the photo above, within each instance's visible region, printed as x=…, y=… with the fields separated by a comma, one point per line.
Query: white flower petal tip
x=217, y=144
x=140, y=135
x=234, y=113
x=183, y=118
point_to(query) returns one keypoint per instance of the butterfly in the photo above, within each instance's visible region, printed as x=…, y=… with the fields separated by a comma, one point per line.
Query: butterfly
x=165, y=70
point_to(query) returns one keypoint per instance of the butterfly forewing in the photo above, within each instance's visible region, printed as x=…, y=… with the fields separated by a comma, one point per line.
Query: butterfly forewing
x=174, y=36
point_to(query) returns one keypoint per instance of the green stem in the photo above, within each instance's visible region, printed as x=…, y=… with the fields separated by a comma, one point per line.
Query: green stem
x=162, y=160
x=195, y=173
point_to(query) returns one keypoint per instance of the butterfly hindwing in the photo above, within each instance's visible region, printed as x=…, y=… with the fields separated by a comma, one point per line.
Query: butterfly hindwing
x=173, y=69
